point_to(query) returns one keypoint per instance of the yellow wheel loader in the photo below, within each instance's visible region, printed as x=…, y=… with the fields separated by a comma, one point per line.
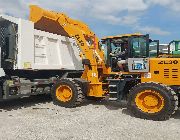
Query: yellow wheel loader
x=149, y=84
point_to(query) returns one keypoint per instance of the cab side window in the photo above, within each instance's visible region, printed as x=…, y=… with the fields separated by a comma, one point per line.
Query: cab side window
x=139, y=48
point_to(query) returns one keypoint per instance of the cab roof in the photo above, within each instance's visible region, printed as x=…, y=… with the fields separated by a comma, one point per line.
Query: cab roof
x=121, y=36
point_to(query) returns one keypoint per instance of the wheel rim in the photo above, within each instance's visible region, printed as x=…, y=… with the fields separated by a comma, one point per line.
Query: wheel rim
x=64, y=93
x=149, y=101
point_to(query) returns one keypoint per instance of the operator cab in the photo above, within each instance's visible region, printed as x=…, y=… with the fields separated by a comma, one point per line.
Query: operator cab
x=137, y=49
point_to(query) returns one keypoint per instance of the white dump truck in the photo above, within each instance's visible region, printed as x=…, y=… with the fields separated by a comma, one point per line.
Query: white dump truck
x=31, y=60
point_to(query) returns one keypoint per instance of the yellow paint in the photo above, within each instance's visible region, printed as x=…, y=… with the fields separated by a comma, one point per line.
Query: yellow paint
x=64, y=93
x=149, y=101
x=163, y=70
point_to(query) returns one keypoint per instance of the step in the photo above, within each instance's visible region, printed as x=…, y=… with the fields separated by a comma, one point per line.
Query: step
x=112, y=85
x=112, y=99
x=112, y=92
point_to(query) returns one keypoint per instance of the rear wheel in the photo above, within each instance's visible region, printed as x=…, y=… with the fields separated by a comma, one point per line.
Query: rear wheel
x=152, y=101
x=67, y=93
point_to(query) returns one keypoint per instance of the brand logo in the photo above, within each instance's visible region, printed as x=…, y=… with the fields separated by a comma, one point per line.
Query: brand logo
x=169, y=62
x=79, y=40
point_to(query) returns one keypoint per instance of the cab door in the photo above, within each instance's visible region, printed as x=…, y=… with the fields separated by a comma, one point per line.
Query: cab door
x=138, y=60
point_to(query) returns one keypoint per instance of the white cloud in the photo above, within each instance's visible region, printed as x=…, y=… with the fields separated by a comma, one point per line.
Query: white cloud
x=170, y=4
x=120, y=12
x=130, y=20
x=152, y=30
x=117, y=12
x=97, y=8
x=16, y=8
x=1, y=11
x=123, y=20
x=116, y=6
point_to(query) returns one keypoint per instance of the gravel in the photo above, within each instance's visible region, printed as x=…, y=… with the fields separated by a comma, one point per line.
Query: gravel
x=38, y=118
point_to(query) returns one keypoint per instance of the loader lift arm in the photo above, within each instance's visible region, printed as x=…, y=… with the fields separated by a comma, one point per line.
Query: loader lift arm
x=86, y=40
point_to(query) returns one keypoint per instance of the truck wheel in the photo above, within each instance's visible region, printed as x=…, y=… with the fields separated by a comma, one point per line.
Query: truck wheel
x=152, y=101
x=67, y=93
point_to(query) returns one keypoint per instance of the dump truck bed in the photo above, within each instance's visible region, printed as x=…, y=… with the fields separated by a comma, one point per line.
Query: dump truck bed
x=36, y=49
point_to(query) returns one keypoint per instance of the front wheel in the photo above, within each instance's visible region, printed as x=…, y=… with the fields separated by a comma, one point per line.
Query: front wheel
x=67, y=93
x=152, y=101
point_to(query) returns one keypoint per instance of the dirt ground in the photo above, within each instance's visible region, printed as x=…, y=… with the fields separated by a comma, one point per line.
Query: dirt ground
x=38, y=118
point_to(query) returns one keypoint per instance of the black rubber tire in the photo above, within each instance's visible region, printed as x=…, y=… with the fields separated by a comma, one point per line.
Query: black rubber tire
x=77, y=97
x=170, y=98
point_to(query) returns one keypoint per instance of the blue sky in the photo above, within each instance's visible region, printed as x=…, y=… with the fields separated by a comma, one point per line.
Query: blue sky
x=159, y=18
